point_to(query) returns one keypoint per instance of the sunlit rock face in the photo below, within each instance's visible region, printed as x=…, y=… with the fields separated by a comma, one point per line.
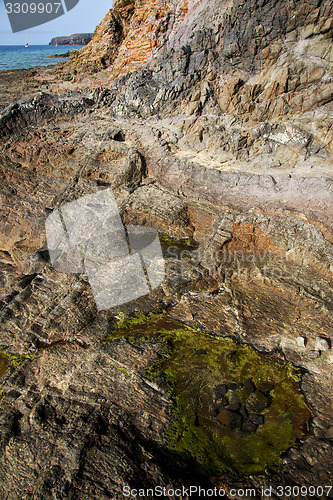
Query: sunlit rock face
x=130, y=35
x=211, y=123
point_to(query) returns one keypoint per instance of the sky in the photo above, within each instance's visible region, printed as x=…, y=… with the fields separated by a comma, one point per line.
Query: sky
x=81, y=19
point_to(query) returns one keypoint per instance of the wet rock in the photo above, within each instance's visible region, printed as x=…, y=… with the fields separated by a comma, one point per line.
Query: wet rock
x=235, y=407
x=233, y=397
x=249, y=427
x=230, y=419
x=257, y=402
x=258, y=419
x=249, y=386
x=265, y=388
x=244, y=413
x=221, y=403
x=220, y=391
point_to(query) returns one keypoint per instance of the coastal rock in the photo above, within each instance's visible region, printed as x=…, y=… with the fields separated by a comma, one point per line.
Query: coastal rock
x=77, y=39
x=257, y=402
x=230, y=419
x=212, y=121
x=130, y=35
x=108, y=37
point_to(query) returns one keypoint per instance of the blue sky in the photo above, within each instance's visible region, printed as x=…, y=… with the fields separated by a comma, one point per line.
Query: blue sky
x=82, y=19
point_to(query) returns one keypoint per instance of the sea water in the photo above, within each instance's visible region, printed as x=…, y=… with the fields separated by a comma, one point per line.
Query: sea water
x=21, y=57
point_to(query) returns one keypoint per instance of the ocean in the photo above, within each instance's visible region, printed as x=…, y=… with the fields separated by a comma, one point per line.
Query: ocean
x=20, y=57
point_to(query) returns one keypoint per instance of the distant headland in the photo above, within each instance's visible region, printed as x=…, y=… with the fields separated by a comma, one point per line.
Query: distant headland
x=77, y=39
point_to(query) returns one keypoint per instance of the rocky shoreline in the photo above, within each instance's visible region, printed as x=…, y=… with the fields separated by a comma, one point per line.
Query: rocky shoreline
x=77, y=39
x=206, y=146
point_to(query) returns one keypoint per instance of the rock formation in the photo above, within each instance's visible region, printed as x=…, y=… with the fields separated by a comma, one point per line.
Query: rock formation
x=211, y=120
x=77, y=39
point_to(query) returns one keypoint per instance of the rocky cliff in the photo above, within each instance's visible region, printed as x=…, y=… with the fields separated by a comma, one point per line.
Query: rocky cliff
x=211, y=120
x=77, y=39
x=130, y=34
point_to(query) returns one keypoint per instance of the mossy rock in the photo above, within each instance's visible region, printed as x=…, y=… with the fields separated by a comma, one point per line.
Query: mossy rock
x=13, y=360
x=181, y=244
x=194, y=365
x=4, y=363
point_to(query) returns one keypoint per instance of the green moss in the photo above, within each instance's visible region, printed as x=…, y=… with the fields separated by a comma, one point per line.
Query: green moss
x=125, y=325
x=4, y=363
x=166, y=241
x=16, y=360
x=193, y=364
x=182, y=243
x=2, y=395
x=127, y=373
x=13, y=360
x=189, y=242
x=187, y=255
x=124, y=321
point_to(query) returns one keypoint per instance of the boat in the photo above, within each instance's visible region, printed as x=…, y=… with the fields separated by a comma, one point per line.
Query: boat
x=27, y=45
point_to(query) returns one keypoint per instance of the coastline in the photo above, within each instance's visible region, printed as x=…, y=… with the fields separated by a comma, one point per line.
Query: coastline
x=20, y=57
x=18, y=84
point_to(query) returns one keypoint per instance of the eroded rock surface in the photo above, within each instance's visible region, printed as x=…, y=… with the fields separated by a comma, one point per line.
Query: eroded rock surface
x=211, y=121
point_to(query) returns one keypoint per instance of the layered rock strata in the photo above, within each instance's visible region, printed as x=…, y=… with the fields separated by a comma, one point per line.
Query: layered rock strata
x=212, y=123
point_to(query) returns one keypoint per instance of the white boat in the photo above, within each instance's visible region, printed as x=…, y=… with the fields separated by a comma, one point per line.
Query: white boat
x=27, y=45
